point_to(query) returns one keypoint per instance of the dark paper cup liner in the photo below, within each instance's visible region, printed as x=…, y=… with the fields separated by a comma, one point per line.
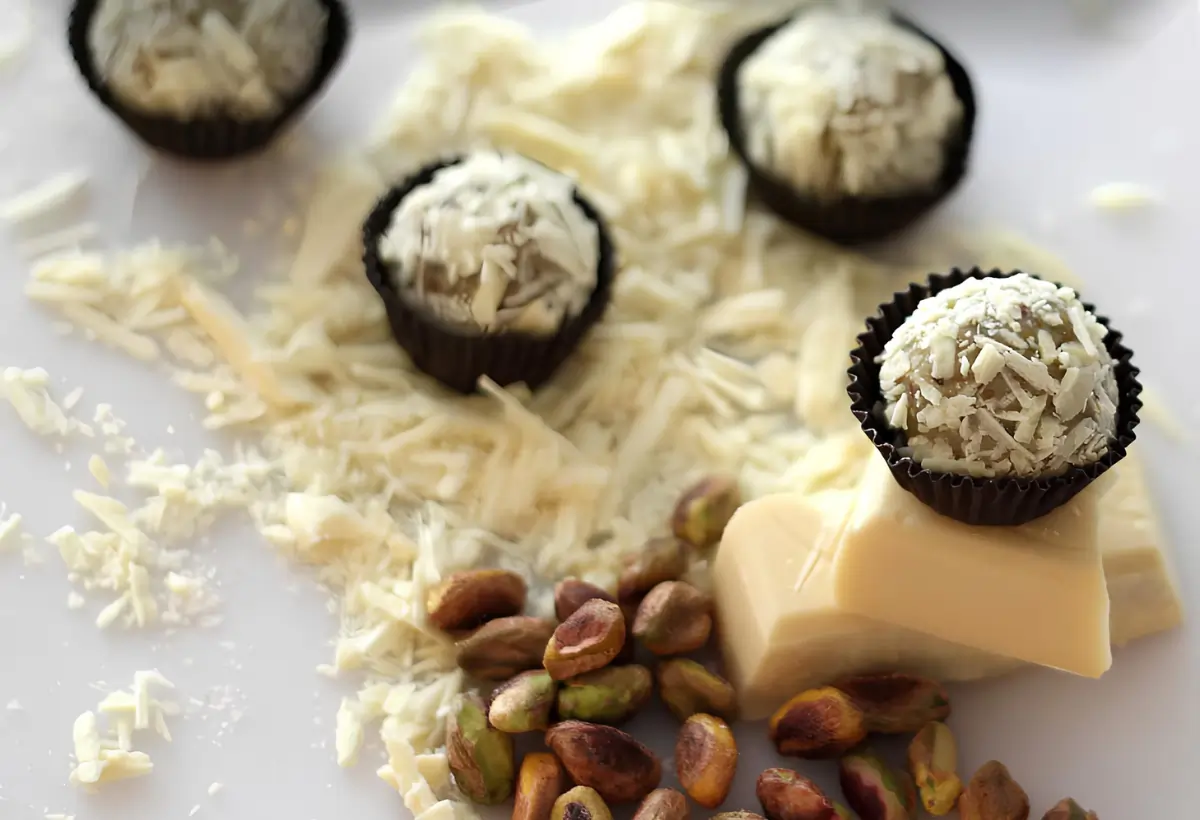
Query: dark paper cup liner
x=210, y=137
x=848, y=220
x=458, y=358
x=981, y=501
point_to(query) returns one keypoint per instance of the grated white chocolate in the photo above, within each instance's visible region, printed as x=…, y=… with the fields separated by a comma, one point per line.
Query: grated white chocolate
x=1001, y=377
x=495, y=242
x=189, y=58
x=839, y=104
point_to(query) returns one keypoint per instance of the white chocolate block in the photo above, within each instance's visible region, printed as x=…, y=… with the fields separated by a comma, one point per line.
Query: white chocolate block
x=779, y=640
x=1034, y=592
x=1142, y=590
x=780, y=636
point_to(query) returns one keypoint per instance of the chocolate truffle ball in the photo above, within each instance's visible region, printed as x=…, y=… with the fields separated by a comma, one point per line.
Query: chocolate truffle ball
x=1001, y=377
x=495, y=243
x=200, y=58
x=842, y=104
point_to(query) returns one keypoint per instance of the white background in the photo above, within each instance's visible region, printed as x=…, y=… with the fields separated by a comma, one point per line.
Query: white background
x=1065, y=106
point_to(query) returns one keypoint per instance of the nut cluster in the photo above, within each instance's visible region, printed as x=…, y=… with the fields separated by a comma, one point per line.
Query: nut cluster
x=835, y=721
x=576, y=679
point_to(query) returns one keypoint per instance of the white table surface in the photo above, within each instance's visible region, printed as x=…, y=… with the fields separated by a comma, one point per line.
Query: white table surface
x=1065, y=106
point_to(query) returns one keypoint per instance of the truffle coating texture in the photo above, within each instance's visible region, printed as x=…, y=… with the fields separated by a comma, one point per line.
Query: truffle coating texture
x=847, y=104
x=494, y=243
x=1000, y=377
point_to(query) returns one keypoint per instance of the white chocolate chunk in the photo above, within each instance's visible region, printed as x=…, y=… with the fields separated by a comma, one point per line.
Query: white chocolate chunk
x=1034, y=592
x=1142, y=585
x=779, y=640
x=781, y=629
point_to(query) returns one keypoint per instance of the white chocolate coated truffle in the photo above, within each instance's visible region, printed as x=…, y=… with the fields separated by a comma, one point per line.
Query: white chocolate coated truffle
x=188, y=58
x=843, y=104
x=495, y=242
x=1001, y=377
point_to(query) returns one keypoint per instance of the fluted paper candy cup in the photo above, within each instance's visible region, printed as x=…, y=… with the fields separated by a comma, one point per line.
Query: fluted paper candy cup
x=457, y=357
x=1005, y=501
x=213, y=137
x=848, y=220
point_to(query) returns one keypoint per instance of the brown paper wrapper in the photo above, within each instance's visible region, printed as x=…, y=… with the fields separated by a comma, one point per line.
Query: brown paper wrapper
x=849, y=220
x=981, y=501
x=455, y=357
x=212, y=137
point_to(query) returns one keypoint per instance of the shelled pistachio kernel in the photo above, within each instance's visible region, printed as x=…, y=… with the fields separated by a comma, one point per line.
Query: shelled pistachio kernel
x=663, y=804
x=817, y=724
x=933, y=764
x=571, y=593
x=658, y=561
x=505, y=647
x=612, y=762
x=687, y=687
x=611, y=695
x=896, y=703
x=580, y=803
x=706, y=757
x=788, y=795
x=590, y=639
x=1068, y=809
x=704, y=510
x=524, y=703
x=471, y=598
x=480, y=757
x=673, y=619
x=539, y=784
x=992, y=794
x=874, y=789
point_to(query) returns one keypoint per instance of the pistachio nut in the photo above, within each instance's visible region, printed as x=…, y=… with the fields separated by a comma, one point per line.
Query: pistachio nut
x=687, y=687
x=737, y=815
x=480, y=757
x=874, y=789
x=467, y=599
x=933, y=764
x=659, y=560
x=788, y=795
x=504, y=647
x=588, y=640
x=894, y=703
x=1068, y=809
x=610, y=761
x=572, y=593
x=524, y=703
x=538, y=785
x=663, y=804
x=706, y=757
x=992, y=794
x=704, y=509
x=817, y=724
x=674, y=618
x=612, y=695
x=580, y=803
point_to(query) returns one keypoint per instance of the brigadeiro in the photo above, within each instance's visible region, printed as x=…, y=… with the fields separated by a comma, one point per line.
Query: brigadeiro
x=207, y=79
x=852, y=125
x=994, y=397
x=489, y=265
